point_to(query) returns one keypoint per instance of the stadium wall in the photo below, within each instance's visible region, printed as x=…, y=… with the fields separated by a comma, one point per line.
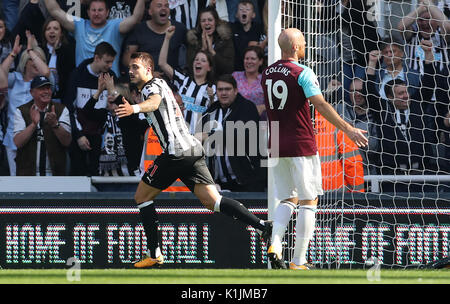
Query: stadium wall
x=102, y=230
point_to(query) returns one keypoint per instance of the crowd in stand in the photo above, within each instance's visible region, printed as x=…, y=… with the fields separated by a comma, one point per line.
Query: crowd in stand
x=396, y=87
x=62, y=77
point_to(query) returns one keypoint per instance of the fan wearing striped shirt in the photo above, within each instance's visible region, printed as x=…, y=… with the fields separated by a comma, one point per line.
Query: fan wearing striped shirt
x=182, y=157
x=197, y=89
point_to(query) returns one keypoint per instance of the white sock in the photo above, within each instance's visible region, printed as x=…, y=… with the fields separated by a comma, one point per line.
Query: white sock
x=281, y=219
x=217, y=204
x=305, y=225
x=157, y=252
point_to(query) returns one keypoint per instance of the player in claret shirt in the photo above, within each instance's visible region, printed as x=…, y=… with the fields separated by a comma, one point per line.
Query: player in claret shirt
x=183, y=157
x=287, y=87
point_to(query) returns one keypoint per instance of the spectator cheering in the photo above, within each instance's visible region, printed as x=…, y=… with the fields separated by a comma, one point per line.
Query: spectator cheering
x=249, y=80
x=119, y=155
x=31, y=64
x=85, y=150
x=215, y=36
x=41, y=133
x=149, y=35
x=89, y=33
x=60, y=54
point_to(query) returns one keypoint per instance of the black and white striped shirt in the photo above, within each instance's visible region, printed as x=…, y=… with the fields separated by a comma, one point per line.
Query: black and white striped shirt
x=186, y=13
x=416, y=55
x=168, y=122
x=195, y=98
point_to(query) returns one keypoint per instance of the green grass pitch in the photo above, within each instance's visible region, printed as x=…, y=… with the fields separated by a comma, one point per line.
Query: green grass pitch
x=223, y=276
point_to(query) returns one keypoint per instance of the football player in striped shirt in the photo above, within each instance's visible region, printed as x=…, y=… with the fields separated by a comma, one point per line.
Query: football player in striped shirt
x=183, y=157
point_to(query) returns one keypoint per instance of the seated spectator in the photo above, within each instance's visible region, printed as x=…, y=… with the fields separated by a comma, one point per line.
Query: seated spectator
x=426, y=22
x=394, y=66
x=60, y=53
x=83, y=83
x=121, y=138
x=148, y=36
x=31, y=64
x=231, y=170
x=41, y=133
x=89, y=33
x=196, y=89
x=406, y=132
x=214, y=36
x=246, y=32
x=249, y=80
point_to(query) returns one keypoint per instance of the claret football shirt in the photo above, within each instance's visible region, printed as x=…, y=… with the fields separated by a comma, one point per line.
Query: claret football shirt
x=287, y=86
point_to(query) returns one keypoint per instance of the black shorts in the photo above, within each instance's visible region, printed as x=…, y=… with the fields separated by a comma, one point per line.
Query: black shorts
x=167, y=168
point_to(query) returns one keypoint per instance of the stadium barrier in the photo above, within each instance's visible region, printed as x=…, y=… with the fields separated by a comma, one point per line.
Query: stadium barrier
x=103, y=230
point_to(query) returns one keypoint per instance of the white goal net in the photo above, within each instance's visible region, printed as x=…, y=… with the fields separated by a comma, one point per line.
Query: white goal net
x=384, y=67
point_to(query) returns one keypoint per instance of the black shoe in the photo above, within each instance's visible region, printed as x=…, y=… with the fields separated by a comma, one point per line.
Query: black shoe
x=275, y=259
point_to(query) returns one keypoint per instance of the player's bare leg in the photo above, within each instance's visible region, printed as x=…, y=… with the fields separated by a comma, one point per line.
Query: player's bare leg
x=305, y=225
x=144, y=197
x=211, y=199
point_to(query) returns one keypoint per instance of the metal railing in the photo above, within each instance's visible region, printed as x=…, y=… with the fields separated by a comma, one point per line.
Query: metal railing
x=375, y=180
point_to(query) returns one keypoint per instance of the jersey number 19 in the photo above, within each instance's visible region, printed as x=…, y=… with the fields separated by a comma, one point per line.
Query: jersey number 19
x=273, y=91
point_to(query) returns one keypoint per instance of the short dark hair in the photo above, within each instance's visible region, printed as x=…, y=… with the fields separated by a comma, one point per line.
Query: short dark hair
x=104, y=48
x=389, y=86
x=257, y=49
x=228, y=78
x=247, y=2
x=90, y=2
x=391, y=41
x=145, y=58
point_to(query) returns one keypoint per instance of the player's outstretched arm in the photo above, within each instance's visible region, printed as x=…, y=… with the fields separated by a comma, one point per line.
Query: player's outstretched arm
x=149, y=105
x=327, y=111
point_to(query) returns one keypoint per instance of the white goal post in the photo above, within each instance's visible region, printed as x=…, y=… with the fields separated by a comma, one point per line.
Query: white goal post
x=402, y=218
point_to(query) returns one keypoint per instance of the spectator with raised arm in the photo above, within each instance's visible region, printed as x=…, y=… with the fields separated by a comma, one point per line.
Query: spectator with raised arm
x=426, y=22
x=407, y=132
x=394, y=65
x=31, y=64
x=149, y=35
x=89, y=33
x=197, y=89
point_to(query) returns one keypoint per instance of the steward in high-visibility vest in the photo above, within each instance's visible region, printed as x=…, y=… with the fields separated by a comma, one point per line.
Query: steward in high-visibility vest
x=151, y=150
x=341, y=162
